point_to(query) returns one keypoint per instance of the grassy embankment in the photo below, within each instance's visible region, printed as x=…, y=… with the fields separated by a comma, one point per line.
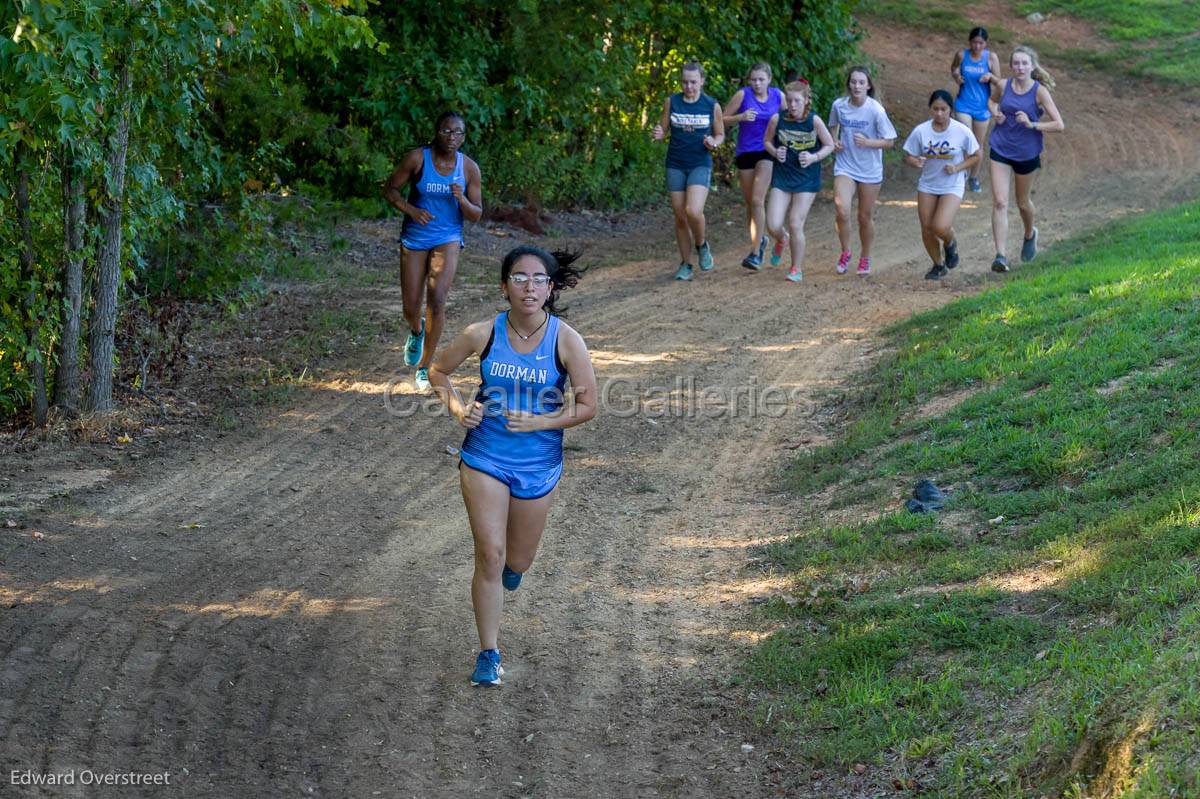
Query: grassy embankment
x=1147, y=38
x=1042, y=634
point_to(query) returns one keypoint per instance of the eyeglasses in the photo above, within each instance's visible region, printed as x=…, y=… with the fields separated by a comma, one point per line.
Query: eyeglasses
x=519, y=279
x=456, y=132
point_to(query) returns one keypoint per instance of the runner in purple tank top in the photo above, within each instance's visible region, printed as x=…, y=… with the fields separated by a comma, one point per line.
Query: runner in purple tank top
x=1018, y=105
x=751, y=108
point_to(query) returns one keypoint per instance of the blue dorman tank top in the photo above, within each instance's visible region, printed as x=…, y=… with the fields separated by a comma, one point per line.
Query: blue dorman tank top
x=973, y=95
x=432, y=192
x=509, y=380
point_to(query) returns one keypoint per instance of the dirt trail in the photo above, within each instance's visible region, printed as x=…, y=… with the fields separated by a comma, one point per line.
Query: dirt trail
x=286, y=613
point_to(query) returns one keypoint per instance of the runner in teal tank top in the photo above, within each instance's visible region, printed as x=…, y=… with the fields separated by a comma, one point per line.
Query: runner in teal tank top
x=973, y=70
x=798, y=141
x=513, y=456
x=445, y=190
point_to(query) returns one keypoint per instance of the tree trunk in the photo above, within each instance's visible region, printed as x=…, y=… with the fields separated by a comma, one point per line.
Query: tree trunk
x=37, y=367
x=66, y=379
x=103, y=326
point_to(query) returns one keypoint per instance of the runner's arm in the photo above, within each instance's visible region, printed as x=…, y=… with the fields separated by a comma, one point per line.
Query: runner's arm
x=1056, y=123
x=734, y=102
x=825, y=137
x=968, y=162
x=718, y=126
x=955, y=72
x=400, y=176
x=768, y=143
x=663, y=128
x=472, y=203
x=467, y=343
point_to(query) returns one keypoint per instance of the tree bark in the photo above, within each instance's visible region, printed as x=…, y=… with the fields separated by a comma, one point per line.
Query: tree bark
x=37, y=366
x=102, y=333
x=66, y=378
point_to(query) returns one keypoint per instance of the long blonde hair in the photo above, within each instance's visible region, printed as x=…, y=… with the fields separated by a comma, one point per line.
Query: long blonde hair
x=1039, y=72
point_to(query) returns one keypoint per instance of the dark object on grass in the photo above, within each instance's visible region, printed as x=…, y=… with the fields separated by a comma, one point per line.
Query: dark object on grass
x=926, y=498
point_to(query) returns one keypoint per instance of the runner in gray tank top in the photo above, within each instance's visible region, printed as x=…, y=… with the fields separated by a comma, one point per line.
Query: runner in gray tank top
x=1022, y=109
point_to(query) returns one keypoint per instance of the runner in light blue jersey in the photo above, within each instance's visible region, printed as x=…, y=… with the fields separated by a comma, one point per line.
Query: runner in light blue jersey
x=973, y=69
x=512, y=456
x=445, y=190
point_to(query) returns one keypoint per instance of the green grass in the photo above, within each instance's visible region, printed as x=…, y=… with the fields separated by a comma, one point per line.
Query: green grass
x=1147, y=38
x=1154, y=38
x=1053, y=651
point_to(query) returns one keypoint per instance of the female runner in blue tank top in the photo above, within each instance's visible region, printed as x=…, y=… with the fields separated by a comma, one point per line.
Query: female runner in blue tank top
x=1019, y=104
x=973, y=69
x=694, y=123
x=512, y=456
x=445, y=190
x=756, y=103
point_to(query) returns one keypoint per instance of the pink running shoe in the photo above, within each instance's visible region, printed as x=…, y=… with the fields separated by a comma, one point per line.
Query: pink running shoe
x=843, y=262
x=864, y=265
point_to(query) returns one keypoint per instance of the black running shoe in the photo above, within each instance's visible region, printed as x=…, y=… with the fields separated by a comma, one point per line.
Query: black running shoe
x=938, y=272
x=952, y=254
x=1000, y=264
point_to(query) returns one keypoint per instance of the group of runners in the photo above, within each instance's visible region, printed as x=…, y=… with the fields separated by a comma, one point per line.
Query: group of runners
x=782, y=142
x=511, y=457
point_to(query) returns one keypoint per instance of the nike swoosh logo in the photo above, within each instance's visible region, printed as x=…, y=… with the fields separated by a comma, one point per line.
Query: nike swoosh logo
x=540, y=357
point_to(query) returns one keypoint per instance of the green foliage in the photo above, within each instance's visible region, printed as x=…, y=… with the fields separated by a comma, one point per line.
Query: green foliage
x=558, y=97
x=62, y=98
x=1060, y=590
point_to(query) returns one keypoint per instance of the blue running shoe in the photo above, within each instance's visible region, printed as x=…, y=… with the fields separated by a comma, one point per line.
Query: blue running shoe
x=684, y=272
x=777, y=253
x=422, y=380
x=510, y=579
x=1029, y=247
x=752, y=261
x=487, y=668
x=706, y=261
x=413, y=346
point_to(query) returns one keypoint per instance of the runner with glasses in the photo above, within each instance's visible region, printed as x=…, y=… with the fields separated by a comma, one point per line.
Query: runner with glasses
x=512, y=456
x=445, y=189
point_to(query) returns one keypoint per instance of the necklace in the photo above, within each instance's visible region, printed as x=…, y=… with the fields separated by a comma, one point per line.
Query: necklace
x=521, y=335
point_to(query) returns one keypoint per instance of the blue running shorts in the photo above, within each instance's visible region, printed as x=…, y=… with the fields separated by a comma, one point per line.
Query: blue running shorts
x=522, y=483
